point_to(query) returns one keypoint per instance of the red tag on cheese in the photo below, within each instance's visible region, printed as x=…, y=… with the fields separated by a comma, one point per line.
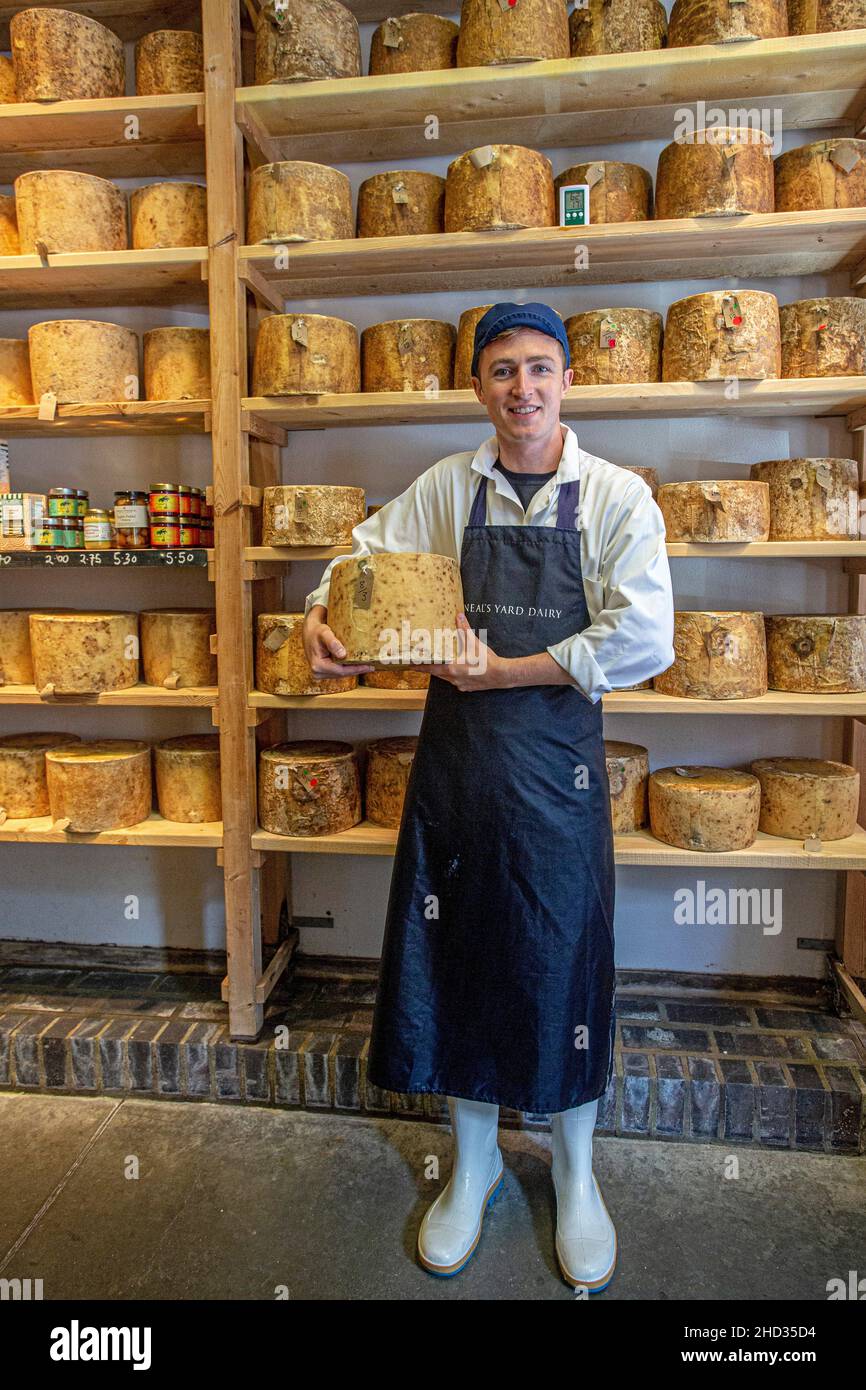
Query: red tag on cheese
x=738, y=318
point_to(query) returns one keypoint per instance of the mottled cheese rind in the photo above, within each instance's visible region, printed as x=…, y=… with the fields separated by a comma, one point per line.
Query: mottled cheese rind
x=60, y=56
x=176, y=642
x=614, y=346
x=617, y=26
x=323, y=355
x=720, y=510
x=622, y=193
x=16, y=661
x=824, y=337
x=168, y=214
x=413, y=43
x=823, y=174
x=169, y=60
x=807, y=796
x=16, y=385
x=465, y=346
x=700, y=346
x=311, y=787
x=811, y=499
x=694, y=22
x=397, y=678
x=23, y=785
x=496, y=187
x=396, y=609
x=311, y=514
x=295, y=200
x=304, y=40
x=83, y=360
x=401, y=202
x=491, y=33
x=817, y=654
x=10, y=242
x=84, y=653
x=704, y=808
x=408, y=355
x=59, y=211
x=825, y=16
x=389, y=765
x=187, y=774
x=649, y=475
x=720, y=172
x=717, y=656
x=177, y=364
x=281, y=662
x=104, y=785
x=7, y=84
x=628, y=773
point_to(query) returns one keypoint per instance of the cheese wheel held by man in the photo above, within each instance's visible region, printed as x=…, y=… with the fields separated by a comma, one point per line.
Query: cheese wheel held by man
x=396, y=609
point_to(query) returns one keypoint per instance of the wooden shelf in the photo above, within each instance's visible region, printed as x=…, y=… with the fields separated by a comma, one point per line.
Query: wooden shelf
x=781, y=703
x=174, y=275
x=695, y=248
x=815, y=80
x=813, y=396
x=288, y=554
x=110, y=417
x=639, y=847
x=91, y=136
x=128, y=18
x=194, y=697
x=153, y=831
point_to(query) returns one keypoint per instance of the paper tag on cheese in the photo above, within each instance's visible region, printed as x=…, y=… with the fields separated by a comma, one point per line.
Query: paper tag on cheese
x=712, y=493
x=307, y=783
x=299, y=331
x=41, y=250
x=845, y=156
x=616, y=777
x=405, y=759
x=364, y=587
x=507, y=4
x=607, y=331
x=823, y=475
x=277, y=637
x=302, y=506
x=484, y=155
x=47, y=406
x=731, y=312
x=687, y=771
x=812, y=845
x=392, y=36
x=398, y=192
x=594, y=173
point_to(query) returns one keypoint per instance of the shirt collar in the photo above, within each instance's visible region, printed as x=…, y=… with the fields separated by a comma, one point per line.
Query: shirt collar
x=569, y=464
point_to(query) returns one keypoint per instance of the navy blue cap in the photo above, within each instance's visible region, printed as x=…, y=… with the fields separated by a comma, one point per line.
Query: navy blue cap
x=502, y=317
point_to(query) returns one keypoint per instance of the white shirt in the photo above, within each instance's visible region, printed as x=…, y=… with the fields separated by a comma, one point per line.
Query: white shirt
x=626, y=574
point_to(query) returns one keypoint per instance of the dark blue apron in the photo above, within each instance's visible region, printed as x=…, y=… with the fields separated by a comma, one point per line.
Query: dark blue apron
x=497, y=976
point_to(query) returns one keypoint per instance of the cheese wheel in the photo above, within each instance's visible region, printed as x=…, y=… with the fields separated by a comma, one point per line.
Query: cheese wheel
x=294, y=200
x=16, y=662
x=824, y=337
x=609, y=346
x=397, y=678
x=522, y=30
x=177, y=364
x=704, y=808
x=84, y=653
x=628, y=773
x=717, y=656
x=408, y=355
x=715, y=510
x=617, y=192
x=389, y=765
x=413, y=43
x=310, y=787
x=59, y=211
x=311, y=514
x=824, y=174
x=396, y=609
x=465, y=346
x=169, y=60
x=60, y=56
x=82, y=361
x=100, y=786
x=807, y=796
x=300, y=40
x=617, y=26
x=23, y=785
x=188, y=778
x=649, y=475
x=814, y=499
x=281, y=663
x=496, y=187
x=305, y=354
x=7, y=80
x=700, y=346
x=825, y=16
x=175, y=647
x=168, y=214
x=818, y=654
x=16, y=387
x=401, y=202
x=10, y=242
x=694, y=22
x=715, y=173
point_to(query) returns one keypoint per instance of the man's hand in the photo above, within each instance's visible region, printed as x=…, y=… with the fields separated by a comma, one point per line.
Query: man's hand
x=477, y=666
x=321, y=646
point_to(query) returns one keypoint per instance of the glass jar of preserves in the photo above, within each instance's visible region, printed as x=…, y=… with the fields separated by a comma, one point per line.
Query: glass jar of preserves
x=163, y=497
x=197, y=501
x=82, y=502
x=63, y=501
x=97, y=530
x=50, y=534
x=131, y=521
x=185, y=507
x=71, y=537
x=165, y=531
x=189, y=530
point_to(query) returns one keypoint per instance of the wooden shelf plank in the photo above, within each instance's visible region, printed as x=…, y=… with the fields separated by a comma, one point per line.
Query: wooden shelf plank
x=287, y=554
x=693, y=550
x=169, y=276
x=153, y=831
x=814, y=80
x=110, y=417
x=781, y=703
x=194, y=697
x=639, y=847
x=753, y=244
x=127, y=18
x=813, y=396
x=92, y=136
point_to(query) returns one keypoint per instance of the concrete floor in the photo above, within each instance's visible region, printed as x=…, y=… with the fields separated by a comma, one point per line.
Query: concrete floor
x=233, y=1201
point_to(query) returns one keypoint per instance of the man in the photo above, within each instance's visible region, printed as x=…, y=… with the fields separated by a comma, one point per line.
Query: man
x=497, y=981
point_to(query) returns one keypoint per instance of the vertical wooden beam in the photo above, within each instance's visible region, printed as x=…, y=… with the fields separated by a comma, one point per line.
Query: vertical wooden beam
x=851, y=920
x=228, y=346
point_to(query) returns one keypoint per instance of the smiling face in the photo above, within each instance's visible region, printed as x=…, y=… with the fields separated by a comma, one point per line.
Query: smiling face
x=522, y=379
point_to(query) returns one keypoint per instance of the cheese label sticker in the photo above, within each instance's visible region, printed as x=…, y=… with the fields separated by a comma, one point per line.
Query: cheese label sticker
x=47, y=406
x=299, y=332
x=507, y=4
x=364, y=587
x=594, y=173
x=687, y=771
x=391, y=35
x=307, y=781
x=607, y=333
x=484, y=155
x=845, y=156
x=276, y=638
x=731, y=311
x=302, y=506
x=398, y=193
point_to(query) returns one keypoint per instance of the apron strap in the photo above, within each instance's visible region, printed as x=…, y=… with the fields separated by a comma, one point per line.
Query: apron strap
x=566, y=510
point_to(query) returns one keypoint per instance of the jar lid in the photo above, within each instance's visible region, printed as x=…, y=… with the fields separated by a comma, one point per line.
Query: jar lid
x=81, y=492
x=165, y=519
x=97, y=511
x=63, y=492
x=164, y=487
x=184, y=488
x=130, y=493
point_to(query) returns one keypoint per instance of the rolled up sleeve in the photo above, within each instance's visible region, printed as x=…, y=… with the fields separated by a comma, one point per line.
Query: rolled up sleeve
x=631, y=637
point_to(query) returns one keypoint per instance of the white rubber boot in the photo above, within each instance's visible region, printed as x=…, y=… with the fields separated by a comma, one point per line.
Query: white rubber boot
x=585, y=1236
x=451, y=1228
